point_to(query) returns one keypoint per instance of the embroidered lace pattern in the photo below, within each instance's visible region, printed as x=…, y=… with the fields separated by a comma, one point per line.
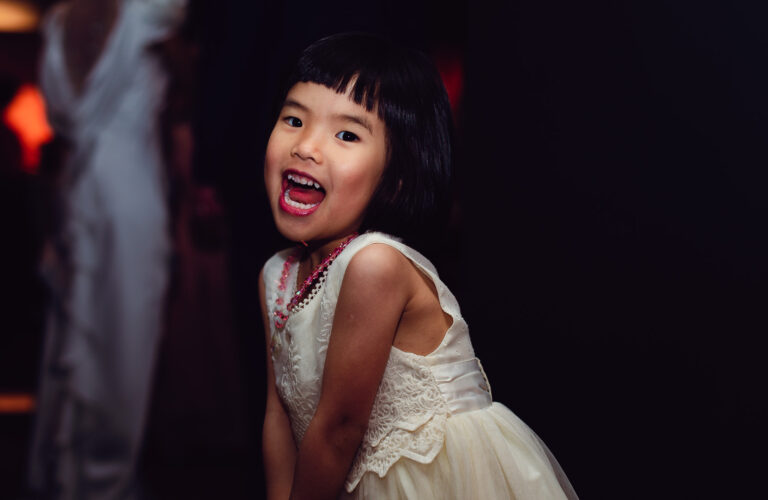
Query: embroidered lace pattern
x=299, y=399
x=300, y=389
x=407, y=420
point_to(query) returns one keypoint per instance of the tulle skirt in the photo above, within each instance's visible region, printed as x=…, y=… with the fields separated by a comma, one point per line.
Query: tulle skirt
x=488, y=454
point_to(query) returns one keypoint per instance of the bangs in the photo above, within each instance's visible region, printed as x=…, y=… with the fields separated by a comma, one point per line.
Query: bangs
x=360, y=65
x=365, y=90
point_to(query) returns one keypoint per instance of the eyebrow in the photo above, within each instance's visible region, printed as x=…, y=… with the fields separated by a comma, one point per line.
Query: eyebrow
x=294, y=104
x=360, y=120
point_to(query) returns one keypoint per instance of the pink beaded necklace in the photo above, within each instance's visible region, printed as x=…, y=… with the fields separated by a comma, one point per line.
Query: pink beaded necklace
x=281, y=316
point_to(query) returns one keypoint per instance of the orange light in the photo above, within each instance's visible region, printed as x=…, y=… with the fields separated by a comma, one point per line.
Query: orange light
x=17, y=16
x=26, y=116
x=17, y=403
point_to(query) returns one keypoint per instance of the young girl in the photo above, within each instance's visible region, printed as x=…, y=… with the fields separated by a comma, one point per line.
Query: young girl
x=374, y=390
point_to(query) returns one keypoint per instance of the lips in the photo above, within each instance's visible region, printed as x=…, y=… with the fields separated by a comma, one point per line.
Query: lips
x=301, y=194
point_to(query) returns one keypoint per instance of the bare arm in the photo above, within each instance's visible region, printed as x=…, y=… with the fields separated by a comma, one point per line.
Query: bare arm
x=375, y=291
x=278, y=446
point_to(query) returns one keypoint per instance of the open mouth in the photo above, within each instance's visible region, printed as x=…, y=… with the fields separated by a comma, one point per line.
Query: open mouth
x=301, y=193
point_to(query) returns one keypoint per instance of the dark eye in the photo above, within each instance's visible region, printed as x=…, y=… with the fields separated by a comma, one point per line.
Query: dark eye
x=292, y=121
x=347, y=136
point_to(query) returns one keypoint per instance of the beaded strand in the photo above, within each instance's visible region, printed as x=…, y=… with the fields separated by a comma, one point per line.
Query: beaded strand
x=301, y=298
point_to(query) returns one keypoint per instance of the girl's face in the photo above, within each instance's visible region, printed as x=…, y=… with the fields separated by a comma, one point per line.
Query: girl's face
x=324, y=160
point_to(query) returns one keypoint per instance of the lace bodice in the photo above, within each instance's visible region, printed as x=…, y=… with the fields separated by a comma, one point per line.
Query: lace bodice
x=417, y=393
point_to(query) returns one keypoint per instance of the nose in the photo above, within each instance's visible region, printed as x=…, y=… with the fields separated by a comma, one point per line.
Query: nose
x=308, y=147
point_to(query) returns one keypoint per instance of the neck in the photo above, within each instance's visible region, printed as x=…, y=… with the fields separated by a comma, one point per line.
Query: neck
x=317, y=251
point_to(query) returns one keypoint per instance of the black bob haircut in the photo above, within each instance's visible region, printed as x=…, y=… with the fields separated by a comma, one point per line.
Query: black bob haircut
x=414, y=195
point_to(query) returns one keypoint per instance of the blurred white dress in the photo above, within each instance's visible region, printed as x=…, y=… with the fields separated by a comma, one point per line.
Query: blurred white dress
x=110, y=267
x=434, y=432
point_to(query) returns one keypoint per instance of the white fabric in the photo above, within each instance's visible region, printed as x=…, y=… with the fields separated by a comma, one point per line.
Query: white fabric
x=433, y=432
x=109, y=276
x=487, y=454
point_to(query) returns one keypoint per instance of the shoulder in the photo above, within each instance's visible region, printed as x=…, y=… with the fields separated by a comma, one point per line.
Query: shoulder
x=383, y=252
x=379, y=272
x=377, y=260
x=378, y=263
x=372, y=257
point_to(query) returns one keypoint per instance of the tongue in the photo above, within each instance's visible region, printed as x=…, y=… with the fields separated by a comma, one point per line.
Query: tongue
x=306, y=195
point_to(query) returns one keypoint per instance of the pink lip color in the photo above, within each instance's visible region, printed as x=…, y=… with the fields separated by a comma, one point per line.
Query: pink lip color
x=297, y=212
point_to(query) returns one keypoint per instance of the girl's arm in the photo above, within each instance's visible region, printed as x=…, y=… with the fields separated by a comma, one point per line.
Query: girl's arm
x=374, y=293
x=278, y=446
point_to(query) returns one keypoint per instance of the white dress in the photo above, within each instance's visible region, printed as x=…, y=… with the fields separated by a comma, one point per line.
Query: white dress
x=110, y=271
x=434, y=432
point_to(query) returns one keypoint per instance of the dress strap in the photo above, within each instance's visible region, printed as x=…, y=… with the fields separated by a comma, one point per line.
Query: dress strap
x=337, y=270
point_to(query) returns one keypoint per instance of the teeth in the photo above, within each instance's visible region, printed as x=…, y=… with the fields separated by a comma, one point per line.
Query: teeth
x=303, y=181
x=297, y=204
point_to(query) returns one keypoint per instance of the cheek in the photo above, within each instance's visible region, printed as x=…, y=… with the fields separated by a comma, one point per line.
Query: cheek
x=363, y=184
x=375, y=172
x=362, y=180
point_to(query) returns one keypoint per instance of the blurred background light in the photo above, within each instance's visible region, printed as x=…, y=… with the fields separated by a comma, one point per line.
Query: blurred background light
x=16, y=403
x=18, y=16
x=26, y=116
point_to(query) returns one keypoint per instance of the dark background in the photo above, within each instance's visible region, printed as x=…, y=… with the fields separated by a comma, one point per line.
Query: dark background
x=608, y=245
x=613, y=202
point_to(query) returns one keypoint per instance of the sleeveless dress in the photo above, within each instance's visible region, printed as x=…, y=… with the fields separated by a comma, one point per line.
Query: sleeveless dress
x=434, y=431
x=109, y=272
